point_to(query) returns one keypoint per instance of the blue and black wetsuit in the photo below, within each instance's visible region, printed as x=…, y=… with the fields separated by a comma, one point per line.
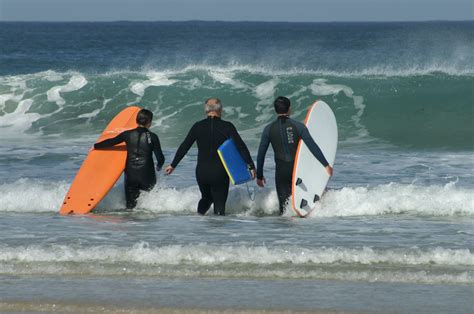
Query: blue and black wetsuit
x=139, y=167
x=211, y=176
x=284, y=135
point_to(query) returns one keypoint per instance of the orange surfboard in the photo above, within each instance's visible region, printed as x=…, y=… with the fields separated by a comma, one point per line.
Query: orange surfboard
x=101, y=168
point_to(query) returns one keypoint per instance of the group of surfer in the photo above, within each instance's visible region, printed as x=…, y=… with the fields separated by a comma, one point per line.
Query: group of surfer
x=284, y=134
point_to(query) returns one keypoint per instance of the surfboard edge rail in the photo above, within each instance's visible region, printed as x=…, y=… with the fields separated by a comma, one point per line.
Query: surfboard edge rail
x=295, y=165
x=97, y=199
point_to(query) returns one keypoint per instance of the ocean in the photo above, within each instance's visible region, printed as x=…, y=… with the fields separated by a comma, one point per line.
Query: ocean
x=393, y=233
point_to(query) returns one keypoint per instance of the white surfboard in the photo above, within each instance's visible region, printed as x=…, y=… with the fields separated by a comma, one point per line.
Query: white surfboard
x=309, y=175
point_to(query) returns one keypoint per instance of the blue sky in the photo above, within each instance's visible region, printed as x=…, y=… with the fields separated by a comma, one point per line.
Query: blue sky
x=236, y=10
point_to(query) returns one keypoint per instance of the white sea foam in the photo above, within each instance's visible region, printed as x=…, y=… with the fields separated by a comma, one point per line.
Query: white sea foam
x=37, y=196
x=52, y=76
x=154, y=79
x=395, y=199
x=266, y=90
x=395, y=265
x=265, y=93
x=32, y=196
x=206, y=254
x=227, y=78
x=320, y=87
x=19, y=120
x=98, y=269
x=372, y=71
x=164, y=199
x=225, y=73
x=90, y=114
x=75, y=83
x=4, y=98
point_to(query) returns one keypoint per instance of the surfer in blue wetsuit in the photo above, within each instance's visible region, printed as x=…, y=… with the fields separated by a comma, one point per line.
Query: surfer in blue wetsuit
x=284, y=134
x=139, y=167
x=211, y=176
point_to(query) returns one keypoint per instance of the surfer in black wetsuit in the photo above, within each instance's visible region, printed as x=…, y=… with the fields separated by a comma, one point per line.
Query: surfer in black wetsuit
x=211, y=176
x=139, y=167
x=284, y=135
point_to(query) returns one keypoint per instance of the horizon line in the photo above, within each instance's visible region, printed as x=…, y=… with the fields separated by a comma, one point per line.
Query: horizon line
x=232, y=21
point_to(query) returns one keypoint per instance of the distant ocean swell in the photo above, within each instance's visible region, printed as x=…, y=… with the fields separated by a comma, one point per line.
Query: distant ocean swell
x=434, y=265
x=401, y=108
x=42, y=196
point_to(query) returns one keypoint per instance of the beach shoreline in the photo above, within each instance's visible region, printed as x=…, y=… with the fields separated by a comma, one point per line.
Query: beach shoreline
x=70, y=307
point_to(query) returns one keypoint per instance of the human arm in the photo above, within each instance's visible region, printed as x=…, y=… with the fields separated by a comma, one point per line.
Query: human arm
x=110, y=142
x=160, y=158
x=183, y=148
x=262, y=151
x=243, y=150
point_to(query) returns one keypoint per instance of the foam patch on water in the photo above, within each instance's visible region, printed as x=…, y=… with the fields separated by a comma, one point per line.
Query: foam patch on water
x=75, y=83
x=371, y=71
x=164, y=199
x=396, y=199
x=206, y=254
x=364, y=263
x=32, y=196
x=277, y=272
x=226, y=78
x=19, y=120
x=320, y=87
x=265, y=93
x=154, y=79
x=27, y=195
x=39, y=196
x=52, y=76
x=266, y=90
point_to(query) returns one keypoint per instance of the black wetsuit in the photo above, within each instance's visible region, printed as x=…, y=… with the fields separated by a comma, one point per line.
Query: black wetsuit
x=284, y=135
x=211, y=176
x=139, y=167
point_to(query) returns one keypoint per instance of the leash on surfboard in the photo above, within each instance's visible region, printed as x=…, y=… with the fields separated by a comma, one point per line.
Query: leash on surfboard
x=250, y=193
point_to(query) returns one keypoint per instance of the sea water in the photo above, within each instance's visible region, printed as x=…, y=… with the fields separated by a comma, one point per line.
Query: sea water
x=394, y=232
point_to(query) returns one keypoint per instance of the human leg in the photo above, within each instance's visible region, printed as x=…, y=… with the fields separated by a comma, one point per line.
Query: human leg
x=206, y=198
x=283, y=174
x=220, y=191
x=132, y=192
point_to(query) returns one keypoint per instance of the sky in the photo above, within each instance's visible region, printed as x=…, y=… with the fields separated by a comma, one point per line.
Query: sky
x=236, y=10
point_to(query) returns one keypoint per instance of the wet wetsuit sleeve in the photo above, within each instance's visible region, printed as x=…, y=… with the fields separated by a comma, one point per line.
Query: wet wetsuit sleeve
x=243, y=150
x=160, y=158
x=262, y=151
x=313, y=147
x=185, y=146
x=110, y=142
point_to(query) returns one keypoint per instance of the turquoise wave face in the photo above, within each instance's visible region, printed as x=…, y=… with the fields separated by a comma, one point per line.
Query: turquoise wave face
x=403, y=84
x=414, y=111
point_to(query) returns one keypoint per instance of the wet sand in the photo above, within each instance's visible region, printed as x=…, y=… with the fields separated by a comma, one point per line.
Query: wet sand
x=65, y=307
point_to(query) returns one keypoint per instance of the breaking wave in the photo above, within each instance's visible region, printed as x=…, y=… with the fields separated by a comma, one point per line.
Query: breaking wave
x=40, y=196
x=363, y=264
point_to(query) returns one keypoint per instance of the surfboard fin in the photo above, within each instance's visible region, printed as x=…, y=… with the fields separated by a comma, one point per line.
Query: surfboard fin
x=316, y=198
x=304, y=203
x=298, y=181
